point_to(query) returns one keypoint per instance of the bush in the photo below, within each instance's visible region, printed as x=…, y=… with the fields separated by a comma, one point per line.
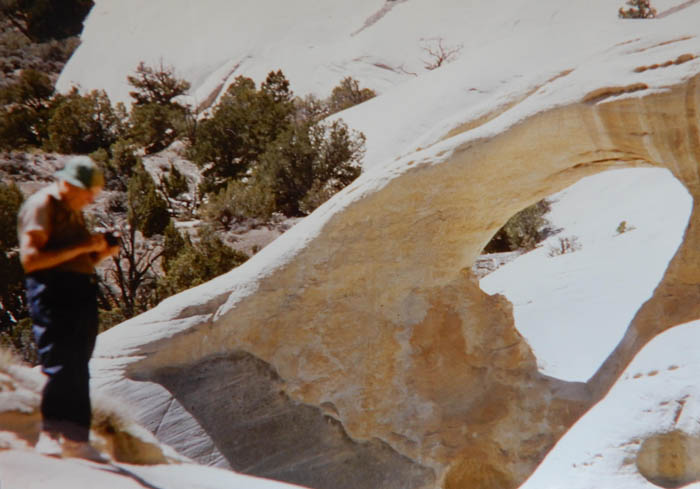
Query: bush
x=308, y=164
x=175, y=182
x=156, y=118
x=243, y=124
x=11, y=199
x=156, y=85
x=348, y=94
x=173, y=243
x=304, y=167
x=310, y=109
x=120, y=167
x=147, y=211
x=262, y=153
x=639, y=9
x=19, y=339
x=567, y=244
x=25, y=111
x=197, y=263
x=237, y=201
x=523, y=231
x=14, y=332
x=153, y=126
x=83, y=123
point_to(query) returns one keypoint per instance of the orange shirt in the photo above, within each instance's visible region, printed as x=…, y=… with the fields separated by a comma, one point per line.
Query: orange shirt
x=44, y=210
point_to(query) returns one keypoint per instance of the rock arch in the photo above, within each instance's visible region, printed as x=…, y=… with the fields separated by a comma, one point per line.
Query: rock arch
x=378, y=321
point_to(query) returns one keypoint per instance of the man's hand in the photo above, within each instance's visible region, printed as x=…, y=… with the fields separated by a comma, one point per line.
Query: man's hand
x=36, y=257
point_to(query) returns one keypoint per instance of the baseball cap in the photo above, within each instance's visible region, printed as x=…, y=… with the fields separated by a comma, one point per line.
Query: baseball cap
x=82, y=172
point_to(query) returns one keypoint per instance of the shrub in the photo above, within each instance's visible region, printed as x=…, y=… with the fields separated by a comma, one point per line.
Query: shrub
x=26, y=107
x=156, y=118
x=261, y=153
x=243, y=124
x=83, y=123
x=14, y=331
x=147, y=211
x=567, y=244
x=438, y=52
x=310, y=109
x=523, y=231
x=347, y=94
x=237, y=201
x=623, y=227
x=198, y=263
x=121, y=166
x=153, y=126
x=156, y=85
x=173, y=243
x=19, y=339
x=11, y=199
x=639, y=9
x=175, y=182
x=298, y=172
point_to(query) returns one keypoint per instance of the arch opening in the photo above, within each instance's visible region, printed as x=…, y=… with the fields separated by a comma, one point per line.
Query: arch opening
x=575, y=294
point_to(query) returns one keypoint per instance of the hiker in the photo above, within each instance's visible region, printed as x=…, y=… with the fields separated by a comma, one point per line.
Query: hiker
x=59, y=255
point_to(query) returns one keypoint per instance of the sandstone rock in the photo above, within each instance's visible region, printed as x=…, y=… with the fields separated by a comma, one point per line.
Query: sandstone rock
x=113, y=433
x=670, y=459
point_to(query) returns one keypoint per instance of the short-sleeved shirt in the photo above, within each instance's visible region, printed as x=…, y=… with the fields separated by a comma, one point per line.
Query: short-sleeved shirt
x=44, y=210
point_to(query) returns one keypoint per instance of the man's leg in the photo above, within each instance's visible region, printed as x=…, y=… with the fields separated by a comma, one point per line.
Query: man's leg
x=65, y=316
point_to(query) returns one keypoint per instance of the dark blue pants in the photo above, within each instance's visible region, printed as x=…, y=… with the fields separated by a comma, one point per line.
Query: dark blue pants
x=63, y=307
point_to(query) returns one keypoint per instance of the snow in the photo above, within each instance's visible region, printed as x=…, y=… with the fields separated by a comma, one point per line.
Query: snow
x=574, y=308
x=25, y=469
x=597, y=451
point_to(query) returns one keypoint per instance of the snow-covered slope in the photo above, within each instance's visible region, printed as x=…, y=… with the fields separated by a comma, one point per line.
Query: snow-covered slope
x=657, y=393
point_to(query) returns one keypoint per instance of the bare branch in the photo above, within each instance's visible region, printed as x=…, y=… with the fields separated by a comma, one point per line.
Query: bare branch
x=439, y=52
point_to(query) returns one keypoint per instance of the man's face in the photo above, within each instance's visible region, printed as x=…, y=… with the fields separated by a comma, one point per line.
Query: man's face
x=78, y=197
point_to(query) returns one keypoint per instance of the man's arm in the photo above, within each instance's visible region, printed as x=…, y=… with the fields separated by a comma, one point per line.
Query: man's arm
x=34, y=257
x=98, y=256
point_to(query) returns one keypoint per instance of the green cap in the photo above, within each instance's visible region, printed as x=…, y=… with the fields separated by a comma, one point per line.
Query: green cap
x=82, y=172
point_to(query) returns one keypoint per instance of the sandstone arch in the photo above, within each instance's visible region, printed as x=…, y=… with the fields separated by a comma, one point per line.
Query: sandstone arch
x=378, y=322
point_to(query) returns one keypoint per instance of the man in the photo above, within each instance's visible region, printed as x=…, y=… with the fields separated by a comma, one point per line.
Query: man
x=59, y=255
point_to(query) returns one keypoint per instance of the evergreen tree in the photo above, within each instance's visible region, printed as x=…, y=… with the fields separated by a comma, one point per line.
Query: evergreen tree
x=307, y=164
x=147, y=211
x=243, y=124
x=156, y=117
x=25, y=108
x=83, y=123
x=173, y=243
x=156, y=85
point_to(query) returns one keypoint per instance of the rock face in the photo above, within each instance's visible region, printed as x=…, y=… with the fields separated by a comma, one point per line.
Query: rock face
x=358, y=349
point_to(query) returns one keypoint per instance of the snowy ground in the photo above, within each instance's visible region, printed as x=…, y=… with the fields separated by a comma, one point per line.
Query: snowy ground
x=652, y=396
